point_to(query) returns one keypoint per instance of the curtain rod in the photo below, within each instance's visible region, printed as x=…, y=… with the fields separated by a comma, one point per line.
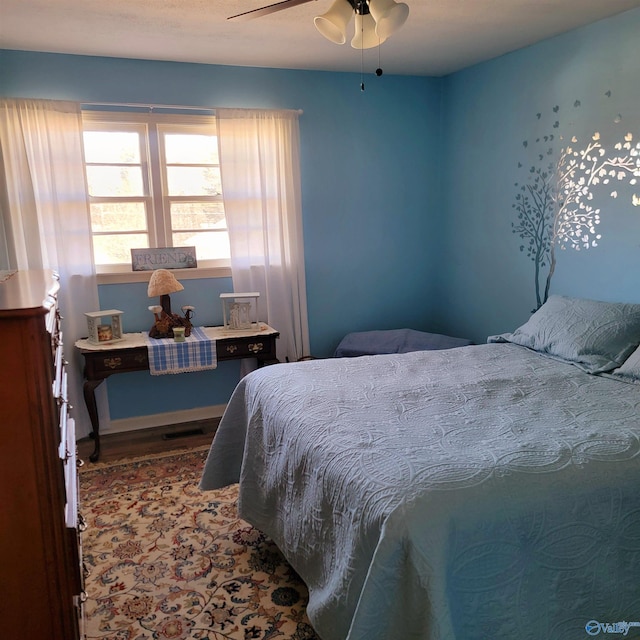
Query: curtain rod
x=150, y=107
x=174, y=107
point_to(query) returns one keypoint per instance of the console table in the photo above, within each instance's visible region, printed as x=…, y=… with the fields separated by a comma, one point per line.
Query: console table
x=131, y=354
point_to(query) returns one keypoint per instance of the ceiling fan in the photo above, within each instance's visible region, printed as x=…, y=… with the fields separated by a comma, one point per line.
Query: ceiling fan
x=375, y=20
x=270, y=8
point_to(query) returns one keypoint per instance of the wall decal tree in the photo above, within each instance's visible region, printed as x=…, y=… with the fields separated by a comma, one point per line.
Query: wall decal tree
x=555, y=203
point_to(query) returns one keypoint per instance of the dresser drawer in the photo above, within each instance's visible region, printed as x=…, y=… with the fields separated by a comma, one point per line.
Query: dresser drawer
x=71, y=485
x=100, y=364
x=261, y=347
x=59, y=374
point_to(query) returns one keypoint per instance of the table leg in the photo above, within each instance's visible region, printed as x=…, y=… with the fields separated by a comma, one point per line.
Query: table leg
x=89, y=389
x=262, y=362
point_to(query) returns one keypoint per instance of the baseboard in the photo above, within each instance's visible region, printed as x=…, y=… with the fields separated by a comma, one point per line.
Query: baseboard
x=163, y=419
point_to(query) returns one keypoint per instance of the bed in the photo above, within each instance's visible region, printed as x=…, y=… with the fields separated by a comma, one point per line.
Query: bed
x=488, y=491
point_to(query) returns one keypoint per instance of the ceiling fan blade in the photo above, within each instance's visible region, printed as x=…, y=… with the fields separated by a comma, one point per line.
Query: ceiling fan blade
x=272, y=8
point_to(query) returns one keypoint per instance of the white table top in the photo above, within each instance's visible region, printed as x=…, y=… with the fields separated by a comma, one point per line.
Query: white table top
x=139, y=339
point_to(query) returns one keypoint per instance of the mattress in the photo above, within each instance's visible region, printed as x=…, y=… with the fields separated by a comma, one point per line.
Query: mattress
x=479, y=492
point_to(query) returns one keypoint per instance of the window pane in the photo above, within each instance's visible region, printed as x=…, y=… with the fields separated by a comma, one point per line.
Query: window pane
x=191, y=149
x=197, y=215
x=116, y=249
x=115, y=181
x=121, y=216
x=194, y=181
x=112, y=147
x=129, y=209
x=210, y=245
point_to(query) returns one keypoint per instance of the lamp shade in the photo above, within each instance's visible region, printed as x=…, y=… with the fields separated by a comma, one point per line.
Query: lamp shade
x=365, y=33
x=162, y=283
x=333, y=24
x=388, y=15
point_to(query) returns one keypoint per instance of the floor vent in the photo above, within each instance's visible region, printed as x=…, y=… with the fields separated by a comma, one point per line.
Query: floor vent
x=182, y=434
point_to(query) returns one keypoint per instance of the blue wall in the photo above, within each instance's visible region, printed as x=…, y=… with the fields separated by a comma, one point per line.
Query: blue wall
x=408, y=188
x=573, y=85
x=371, y=198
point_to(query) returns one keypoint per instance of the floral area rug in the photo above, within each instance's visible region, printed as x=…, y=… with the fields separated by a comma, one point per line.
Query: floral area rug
x=168, y=561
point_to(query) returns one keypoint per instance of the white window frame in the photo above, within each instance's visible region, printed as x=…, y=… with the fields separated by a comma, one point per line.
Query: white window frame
x=156, y=198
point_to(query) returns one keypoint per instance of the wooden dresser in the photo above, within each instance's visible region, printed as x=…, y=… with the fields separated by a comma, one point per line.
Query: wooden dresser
x=41, y=582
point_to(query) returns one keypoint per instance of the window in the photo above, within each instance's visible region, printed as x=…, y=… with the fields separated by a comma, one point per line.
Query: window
x=154, y=181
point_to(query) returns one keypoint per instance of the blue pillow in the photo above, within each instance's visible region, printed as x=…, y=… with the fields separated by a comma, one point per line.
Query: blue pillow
x=630, y=370
x=595, y=336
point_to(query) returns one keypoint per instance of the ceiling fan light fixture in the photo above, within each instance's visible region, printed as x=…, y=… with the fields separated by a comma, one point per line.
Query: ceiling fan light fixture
x=389, y=16
x=365, y=36
x=333, y=24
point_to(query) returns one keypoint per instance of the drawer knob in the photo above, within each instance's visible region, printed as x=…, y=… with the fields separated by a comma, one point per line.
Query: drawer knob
x=232, y=348
x=256, y=347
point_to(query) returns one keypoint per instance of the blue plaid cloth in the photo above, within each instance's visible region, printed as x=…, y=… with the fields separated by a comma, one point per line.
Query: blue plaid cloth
x=196, y=353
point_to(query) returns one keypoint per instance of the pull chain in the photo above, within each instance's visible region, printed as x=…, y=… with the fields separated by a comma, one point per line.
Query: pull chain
x=362, y=57
x=379, y=69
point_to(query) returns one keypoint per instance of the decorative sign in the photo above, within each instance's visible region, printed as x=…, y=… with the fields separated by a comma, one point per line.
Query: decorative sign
x=163, y=258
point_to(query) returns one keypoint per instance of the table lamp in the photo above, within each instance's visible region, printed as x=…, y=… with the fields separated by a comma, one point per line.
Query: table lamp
x=163, y=283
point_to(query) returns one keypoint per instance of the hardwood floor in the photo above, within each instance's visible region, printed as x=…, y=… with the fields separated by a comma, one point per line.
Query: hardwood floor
x=130, y=444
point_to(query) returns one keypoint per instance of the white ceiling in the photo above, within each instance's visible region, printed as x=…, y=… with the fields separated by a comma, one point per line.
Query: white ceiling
x=439, y=37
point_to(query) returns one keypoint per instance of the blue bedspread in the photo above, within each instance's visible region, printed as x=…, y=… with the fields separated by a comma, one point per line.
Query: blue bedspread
x=473, y=493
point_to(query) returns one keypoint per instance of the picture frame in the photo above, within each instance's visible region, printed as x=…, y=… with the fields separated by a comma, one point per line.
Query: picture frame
x=100, y=332
x=240, y=311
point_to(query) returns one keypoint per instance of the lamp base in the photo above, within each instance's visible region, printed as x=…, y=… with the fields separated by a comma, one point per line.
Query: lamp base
x=163, y=327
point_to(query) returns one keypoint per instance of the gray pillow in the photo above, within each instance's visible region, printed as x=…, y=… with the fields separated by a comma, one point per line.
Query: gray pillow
x=595, y=336
x=630, y=370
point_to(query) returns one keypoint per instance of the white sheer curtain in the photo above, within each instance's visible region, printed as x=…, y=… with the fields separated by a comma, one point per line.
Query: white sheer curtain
x=260, y=167
x=45, y=214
